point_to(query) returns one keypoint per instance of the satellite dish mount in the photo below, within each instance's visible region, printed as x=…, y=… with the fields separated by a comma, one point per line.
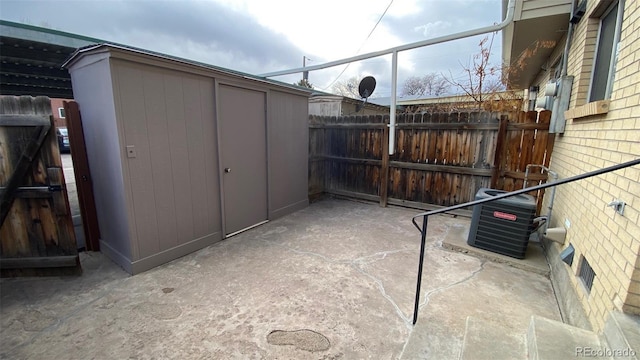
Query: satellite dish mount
x=366, y=87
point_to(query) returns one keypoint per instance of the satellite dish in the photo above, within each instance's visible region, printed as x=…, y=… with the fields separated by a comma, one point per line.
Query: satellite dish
x=366, y=87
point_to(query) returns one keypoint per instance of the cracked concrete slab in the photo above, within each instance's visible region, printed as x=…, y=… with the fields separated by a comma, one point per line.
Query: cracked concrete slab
x=342, y=270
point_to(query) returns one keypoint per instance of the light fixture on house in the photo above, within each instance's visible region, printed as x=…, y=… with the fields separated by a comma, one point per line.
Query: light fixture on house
x=533, y=95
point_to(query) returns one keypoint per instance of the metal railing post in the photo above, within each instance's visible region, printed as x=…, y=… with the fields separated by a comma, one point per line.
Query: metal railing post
x=425, y=215
x=420, y=264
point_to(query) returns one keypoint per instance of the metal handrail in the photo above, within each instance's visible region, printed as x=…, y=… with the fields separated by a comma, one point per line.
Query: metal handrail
x=425, y=215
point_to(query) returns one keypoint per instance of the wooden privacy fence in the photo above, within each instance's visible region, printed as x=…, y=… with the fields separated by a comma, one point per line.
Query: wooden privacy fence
x=439, y=160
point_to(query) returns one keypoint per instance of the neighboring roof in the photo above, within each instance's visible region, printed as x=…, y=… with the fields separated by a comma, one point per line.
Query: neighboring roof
x=422, y=100
x=386, y=100
x=33, y=57
x=45, y=35
x=318, y=96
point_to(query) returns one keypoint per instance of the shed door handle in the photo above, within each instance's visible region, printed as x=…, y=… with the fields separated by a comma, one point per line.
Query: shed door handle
x=227, y=170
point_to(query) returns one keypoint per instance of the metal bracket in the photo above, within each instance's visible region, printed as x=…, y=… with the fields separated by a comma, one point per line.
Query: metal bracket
x=618, y=205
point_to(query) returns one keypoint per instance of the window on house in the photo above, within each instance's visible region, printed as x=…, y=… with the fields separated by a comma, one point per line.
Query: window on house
x=586, y=274
x=61, y=113
x=606, y=53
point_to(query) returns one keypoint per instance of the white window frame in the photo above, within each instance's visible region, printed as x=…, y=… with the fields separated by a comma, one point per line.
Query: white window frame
x=614, y=51
x=60, y=111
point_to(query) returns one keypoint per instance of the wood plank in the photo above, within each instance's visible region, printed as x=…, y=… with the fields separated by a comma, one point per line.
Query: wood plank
x=414, y=147
x=535, y=177
x=84, y=182
x=441, y=168
x=411, y=184
x=39, y=262
x=354, y=194
x=528, y=126
x=541, y=139
x=447, y=126
x=432, y=145
x=438, y=188
x=346, y=126
x=59, y=199
x=499, y=152
x=394, y=181
x=428, y=207
x=13, y=234
x=424, y=143
x=23, y=120
x=347, y=160
x=514, y=142
x=453, y=153
x=427, y=185
x=527, y=142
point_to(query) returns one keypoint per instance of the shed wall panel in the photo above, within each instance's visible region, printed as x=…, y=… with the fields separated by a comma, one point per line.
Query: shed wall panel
x=168, y=118
x=288, y=134
x=131, y=91
x=197, y=185
x=211, y=196
x=93, y=90
x=178, y=142
x=155, y=104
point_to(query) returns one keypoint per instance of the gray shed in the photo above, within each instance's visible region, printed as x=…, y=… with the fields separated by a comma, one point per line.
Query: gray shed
x=182, y=154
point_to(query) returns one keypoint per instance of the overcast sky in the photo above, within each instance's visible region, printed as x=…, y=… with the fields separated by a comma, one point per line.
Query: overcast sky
x=259, y=36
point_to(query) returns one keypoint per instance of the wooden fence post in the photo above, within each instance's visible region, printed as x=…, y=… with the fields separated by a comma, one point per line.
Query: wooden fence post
x=500, y=146
x=384, y=168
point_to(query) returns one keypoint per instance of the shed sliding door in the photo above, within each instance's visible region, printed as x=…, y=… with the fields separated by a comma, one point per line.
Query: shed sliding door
x=243, y=146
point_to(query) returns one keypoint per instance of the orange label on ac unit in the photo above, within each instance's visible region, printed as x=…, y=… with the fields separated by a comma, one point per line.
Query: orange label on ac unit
x=501, y=215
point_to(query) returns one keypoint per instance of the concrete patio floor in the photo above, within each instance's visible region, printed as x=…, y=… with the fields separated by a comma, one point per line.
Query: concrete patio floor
x=333, y=281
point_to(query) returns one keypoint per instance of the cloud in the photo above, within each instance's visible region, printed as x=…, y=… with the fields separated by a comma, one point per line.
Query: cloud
x=434, y=29
x=202, y=31
x=257, y=36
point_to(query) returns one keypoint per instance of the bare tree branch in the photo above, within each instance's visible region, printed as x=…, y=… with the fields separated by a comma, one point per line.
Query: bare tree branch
x=347, y=88
x=431, y=84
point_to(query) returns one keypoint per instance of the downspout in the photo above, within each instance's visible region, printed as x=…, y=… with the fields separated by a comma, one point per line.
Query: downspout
x=437, y=40
x=567, y=44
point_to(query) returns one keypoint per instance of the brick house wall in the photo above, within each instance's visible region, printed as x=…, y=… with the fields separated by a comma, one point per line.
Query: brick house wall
x=608, y=241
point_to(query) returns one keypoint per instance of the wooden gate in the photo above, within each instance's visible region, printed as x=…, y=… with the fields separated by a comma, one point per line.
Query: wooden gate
x=36, y=229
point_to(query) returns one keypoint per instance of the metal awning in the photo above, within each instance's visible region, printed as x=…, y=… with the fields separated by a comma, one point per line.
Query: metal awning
x=527, y=43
